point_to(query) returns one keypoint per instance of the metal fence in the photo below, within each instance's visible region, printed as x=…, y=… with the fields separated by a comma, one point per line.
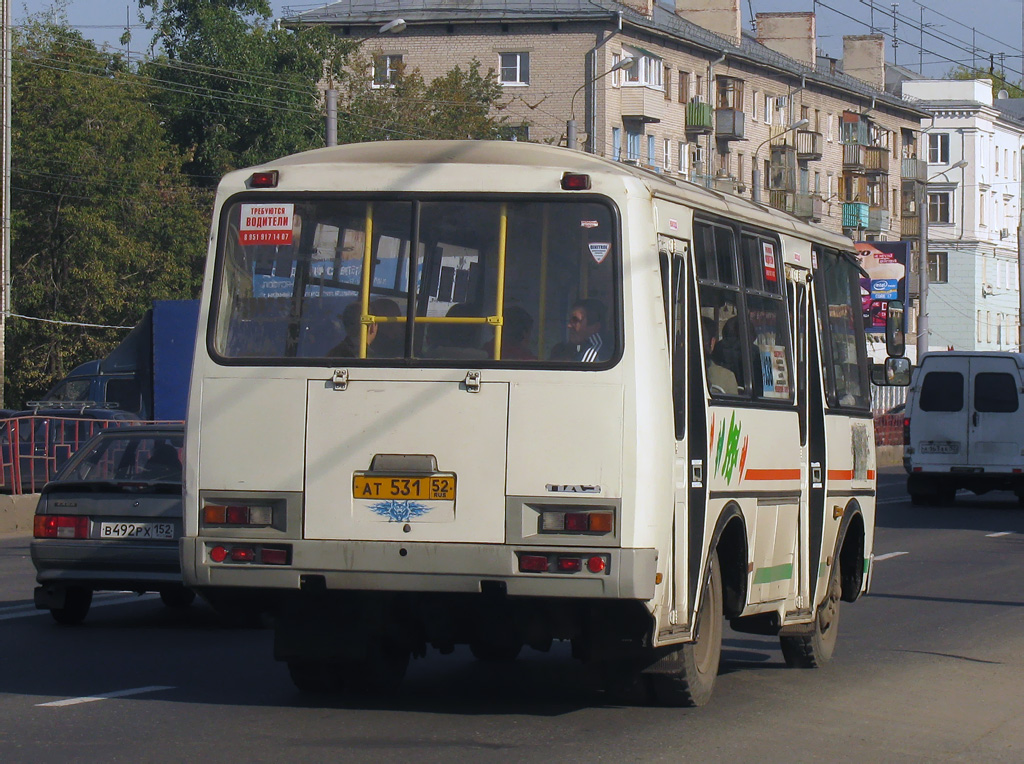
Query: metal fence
x=34, y=448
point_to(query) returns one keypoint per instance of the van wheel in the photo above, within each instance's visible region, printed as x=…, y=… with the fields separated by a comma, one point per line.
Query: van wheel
x=314, y=677
x=693, y=684
x=178, y=598
x=77, y=600
x=816, y=649
x=918, y=500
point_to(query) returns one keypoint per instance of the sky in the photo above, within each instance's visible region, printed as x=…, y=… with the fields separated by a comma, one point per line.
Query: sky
x=953, y=31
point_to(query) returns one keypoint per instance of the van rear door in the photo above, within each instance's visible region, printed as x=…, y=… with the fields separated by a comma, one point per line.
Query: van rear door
x=993, y=426
x=938, y=423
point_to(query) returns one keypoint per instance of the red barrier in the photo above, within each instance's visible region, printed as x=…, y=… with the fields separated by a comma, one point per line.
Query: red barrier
x=889, y=430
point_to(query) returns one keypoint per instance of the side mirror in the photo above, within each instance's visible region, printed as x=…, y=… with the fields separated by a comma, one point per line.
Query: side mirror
x=895, y=340
x=897, y=372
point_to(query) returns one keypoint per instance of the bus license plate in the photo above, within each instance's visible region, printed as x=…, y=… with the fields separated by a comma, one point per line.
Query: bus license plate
x=137, y=530
x=413, y=488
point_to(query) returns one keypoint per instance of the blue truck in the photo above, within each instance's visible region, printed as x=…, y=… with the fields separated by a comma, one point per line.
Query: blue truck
x=147, y=374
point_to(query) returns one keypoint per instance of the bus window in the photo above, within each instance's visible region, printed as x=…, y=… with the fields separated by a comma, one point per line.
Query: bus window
x=837, y=292
x=490, y=281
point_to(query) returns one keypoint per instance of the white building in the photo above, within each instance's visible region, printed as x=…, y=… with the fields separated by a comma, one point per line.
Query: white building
x=973, y=147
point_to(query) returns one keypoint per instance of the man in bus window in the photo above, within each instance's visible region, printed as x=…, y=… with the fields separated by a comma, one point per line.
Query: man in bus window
x=720, y=379
x=390, y=334
x=586, y=320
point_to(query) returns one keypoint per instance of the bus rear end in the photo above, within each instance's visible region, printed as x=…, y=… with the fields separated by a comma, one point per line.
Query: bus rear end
x=407, y=419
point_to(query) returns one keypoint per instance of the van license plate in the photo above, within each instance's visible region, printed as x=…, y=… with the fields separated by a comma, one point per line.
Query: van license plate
x=939, y=447
x=412, y=487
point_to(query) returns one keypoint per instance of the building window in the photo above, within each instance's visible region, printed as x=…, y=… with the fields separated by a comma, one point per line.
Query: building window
x=648, y=70
x=755, y=97
x=982, y=207
x=650, y=151
x=684, y=86
x=633, y=145
x=741, y=167
x=831, y=119
x=938, y=207
x=617, y=143
x=729, y=93
x=769, y=108
x=385, y=70
x=668, y=84
x=515, y=68
x=684, y=158
x=938, y=148
x=938, y=267
x=666, y=157
x=616, y=77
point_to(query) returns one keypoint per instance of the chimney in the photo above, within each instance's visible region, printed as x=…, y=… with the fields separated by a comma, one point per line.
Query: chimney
x=864, y=58
x=791, y=34
x=719, y=16
x=645, y=7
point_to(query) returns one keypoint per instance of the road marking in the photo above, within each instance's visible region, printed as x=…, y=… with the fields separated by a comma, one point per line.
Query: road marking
x=900, y=500
x=889, y=556
x=100, y=600
x=104, y=696
x=997, y=535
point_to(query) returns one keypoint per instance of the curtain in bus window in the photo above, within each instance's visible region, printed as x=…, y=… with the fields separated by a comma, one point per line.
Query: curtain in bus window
x=841, y=322
x=293, y=280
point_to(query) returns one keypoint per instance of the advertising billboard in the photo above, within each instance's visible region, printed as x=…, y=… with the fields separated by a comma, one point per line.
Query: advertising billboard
x=885, y=262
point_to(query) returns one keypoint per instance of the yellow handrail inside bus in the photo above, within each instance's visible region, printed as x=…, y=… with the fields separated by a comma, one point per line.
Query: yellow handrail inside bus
x=364, y=298
x=500, y=305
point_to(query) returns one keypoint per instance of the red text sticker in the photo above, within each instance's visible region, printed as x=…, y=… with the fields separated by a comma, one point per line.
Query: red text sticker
x=769, y=261
x=266, y=224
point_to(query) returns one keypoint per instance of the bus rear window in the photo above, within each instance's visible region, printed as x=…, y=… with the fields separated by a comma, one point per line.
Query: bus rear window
x=485, y=282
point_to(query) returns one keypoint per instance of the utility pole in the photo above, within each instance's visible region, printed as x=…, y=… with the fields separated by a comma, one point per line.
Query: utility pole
x=5, y=206
x=895, y=33
x=1020, y=257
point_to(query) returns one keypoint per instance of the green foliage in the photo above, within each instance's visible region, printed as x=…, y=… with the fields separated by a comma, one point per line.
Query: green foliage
x=102, y=221
x=998, y=77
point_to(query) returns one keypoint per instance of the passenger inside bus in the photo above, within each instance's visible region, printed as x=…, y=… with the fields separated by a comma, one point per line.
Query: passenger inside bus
x=387, y=340
x=515, y=336
x=458, y=341
x=586, y=343
x=720, y=379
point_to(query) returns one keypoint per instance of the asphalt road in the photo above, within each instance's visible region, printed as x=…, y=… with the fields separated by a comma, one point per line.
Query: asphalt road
x=930, y=667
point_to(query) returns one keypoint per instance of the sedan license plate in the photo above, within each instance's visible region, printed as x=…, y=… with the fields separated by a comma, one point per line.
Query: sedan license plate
x=404, y=487
x=136, y=530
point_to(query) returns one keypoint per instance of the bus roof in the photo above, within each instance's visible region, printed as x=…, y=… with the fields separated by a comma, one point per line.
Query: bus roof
x=522, y=154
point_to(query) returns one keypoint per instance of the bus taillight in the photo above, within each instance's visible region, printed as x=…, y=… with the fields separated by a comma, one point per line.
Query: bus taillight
x=576, y=521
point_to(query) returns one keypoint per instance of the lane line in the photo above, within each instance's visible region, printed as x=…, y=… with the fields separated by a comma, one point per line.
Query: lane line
x=901, y=500
x=29, y=611
x=997, y=535
x=889, y=556
x=104, y=696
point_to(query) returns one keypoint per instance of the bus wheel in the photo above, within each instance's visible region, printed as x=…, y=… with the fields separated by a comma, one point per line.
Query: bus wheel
x=314, y=677
x=816, y=649
x=693, y=683
x=77, y=600
x=380, y=672
x=489, y=652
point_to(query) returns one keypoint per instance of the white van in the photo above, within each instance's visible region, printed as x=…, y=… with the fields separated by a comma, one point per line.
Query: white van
x=963, y=425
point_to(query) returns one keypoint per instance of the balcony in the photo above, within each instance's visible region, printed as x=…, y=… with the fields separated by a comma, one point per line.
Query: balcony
x=642, y=104
x=854, y=156
x=809, y=207
x=781, y=135
x=910, y=225
x=729, y=125
x=876, y=159
x=914, y=169
x=809, y=145
x=782, y=200
x=699, y=118
x=855, y=215
x=878, y=220
x=726, y=185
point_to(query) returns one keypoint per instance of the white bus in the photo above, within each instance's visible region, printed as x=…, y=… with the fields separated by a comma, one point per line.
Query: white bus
x=499, y=394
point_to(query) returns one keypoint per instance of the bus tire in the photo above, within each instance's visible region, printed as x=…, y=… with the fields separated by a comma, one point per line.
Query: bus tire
x=77, y=600
x=693, y=684
x=816, y=649
x=314, y=677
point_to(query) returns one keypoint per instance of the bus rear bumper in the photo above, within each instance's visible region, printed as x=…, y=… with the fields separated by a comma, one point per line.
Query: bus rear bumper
x=419, y=567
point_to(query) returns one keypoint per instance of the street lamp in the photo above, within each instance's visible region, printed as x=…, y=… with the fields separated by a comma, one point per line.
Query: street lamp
x=755, y=178
x=394, y=26
x=627, y=62
x=922, y=260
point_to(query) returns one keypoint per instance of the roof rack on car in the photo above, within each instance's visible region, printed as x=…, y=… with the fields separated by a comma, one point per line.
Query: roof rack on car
x=70, y=405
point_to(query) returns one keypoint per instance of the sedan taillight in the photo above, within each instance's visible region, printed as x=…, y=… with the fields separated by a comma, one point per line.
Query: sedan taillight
x=61, y=527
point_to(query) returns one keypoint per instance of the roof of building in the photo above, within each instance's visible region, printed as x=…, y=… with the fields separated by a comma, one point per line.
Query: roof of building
x=663, y=21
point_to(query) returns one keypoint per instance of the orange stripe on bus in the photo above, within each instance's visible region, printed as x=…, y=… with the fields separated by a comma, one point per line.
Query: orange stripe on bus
x=753, y=474
x=871, y=474
x=840, y=474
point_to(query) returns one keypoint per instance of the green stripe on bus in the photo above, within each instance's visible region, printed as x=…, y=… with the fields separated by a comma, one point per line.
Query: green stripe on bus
x=822, y=570
x=867, y=564
x=776, y=573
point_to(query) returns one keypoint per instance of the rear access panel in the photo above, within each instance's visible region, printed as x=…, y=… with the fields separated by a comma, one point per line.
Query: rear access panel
x=406, y=461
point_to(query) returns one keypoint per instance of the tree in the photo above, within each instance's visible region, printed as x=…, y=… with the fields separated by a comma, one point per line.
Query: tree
x=998, y=77
x=102, y=221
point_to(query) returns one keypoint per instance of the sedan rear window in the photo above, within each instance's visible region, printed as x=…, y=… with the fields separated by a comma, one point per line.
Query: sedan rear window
x=152, y=458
